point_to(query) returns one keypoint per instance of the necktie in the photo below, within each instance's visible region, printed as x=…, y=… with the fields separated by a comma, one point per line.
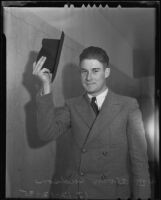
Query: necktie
x=94, y=105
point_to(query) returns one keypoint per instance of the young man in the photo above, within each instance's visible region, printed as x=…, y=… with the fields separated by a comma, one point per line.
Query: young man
x=109, y=150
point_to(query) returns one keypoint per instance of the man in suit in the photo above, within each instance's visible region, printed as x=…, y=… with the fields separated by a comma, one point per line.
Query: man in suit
x=109, y=150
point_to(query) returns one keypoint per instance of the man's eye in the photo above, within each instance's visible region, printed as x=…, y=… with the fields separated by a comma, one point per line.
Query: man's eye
x=83, y=71
x=95, y=70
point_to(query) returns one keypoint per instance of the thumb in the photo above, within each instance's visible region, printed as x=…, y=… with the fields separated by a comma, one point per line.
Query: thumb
x=45, y=70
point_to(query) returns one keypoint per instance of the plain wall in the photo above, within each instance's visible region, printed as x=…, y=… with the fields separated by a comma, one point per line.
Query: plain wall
x=30, y=163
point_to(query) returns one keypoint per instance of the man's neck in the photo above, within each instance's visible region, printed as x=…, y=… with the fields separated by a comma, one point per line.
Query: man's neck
x=97, y=94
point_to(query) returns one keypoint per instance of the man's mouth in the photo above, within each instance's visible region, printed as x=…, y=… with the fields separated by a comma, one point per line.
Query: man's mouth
x=90, y=83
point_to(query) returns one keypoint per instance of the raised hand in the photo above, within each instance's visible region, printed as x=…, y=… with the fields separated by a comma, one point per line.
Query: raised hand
x=43, y=74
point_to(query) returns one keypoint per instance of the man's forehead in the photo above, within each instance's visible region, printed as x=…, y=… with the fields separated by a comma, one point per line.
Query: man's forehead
x=91, y=63
x=91, y=67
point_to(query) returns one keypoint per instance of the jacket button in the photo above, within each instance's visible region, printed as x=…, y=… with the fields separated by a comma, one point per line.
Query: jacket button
x=103, y=177
x=84, y=150
x=104, y=153
x=80, y=196
x=81, y=173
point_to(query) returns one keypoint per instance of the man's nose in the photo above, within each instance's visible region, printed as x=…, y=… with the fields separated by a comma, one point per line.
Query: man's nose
x=89, y=76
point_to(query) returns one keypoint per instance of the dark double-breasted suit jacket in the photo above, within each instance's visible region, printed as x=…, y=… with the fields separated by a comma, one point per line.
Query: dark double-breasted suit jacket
x=109, y=152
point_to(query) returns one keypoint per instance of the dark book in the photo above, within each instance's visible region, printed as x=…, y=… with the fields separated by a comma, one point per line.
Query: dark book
x=51, y=49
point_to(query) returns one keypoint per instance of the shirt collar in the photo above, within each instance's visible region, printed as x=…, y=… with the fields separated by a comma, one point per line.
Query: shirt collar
x=100, y=98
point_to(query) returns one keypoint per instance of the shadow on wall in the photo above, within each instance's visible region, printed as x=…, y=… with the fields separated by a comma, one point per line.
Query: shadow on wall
x=32, y=84
x=122, y=84
x=72, y=86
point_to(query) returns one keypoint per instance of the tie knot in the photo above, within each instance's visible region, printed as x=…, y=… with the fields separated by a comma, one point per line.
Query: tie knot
x=93, y=99
x=94, y=105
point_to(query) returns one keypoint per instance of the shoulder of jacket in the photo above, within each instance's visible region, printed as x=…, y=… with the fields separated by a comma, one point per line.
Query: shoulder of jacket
x=74, y=100
x=125, y=99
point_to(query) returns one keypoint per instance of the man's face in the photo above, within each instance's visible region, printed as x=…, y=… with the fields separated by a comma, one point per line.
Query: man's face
x=93, y=76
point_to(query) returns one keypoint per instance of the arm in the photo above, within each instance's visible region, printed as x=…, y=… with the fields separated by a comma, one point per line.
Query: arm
x=138, y=153
x=51, y=122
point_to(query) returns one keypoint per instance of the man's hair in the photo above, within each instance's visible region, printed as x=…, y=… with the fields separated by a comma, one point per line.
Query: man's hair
x=95, y=53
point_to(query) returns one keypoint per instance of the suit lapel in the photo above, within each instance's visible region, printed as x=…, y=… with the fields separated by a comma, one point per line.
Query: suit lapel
x=109, y=110
x=85, y=111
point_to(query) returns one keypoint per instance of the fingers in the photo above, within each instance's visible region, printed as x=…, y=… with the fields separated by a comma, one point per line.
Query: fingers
x=46, y=71
x=42, y=73
x=37, y=66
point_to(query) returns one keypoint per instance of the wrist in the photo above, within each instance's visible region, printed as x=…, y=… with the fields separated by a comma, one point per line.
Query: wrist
x=46, y=88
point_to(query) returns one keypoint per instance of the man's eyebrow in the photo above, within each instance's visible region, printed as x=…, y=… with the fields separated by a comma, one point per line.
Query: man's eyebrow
x=96, y=67
x=82, y=68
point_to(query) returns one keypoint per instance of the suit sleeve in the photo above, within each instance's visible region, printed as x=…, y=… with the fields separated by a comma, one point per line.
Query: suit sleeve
x=51, y=122
x=138, y=153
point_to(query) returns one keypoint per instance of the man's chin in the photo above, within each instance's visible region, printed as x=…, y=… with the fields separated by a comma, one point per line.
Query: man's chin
x=91, y=91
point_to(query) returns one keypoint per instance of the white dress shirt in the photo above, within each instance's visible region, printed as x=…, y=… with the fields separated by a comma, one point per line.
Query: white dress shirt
x=99, y=98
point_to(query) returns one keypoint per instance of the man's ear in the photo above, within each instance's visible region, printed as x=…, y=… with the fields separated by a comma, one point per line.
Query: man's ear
x=107, y=72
